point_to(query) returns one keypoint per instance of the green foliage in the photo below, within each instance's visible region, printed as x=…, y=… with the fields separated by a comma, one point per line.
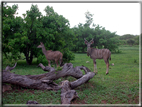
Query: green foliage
x=42, y=59
x=59, y=68
x=67, y=55
x=89, y=19
x=11, y=32
x=129, y=39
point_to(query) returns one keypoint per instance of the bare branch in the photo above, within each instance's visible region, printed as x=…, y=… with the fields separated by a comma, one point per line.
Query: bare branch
x=8, y=68
x=47, y=68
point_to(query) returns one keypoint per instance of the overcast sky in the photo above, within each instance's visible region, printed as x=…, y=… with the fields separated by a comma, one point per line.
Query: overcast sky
x=122, y=18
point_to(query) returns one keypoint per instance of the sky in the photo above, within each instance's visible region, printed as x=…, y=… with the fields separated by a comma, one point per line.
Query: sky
x=122, y=18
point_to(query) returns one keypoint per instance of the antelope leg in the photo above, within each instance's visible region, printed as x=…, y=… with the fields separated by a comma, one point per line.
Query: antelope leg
x=107, y=68
x=107, y=65
x=95, y=66
x=49, y=63
x=56, y=61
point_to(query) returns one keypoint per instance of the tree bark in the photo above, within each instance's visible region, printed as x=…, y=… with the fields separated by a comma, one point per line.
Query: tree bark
x=67, y=94
x=29, y=59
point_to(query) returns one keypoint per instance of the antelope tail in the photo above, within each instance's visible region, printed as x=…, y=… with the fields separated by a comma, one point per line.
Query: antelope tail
x=110, y=56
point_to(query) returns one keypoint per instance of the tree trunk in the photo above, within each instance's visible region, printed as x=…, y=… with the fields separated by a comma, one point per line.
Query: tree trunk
x=29, y=59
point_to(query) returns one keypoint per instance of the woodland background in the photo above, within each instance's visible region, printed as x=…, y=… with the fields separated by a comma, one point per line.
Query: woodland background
x=21, y=36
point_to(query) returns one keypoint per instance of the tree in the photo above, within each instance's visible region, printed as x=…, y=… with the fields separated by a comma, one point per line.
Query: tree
x=126, y=37
x=24, y=35
x=129, y=39
x=130, y=42
x=102, y=38
x=31, y=33
x=89, y=19
x=11, y=32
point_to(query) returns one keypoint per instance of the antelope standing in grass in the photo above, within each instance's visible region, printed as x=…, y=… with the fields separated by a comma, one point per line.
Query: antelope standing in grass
x=51, y=55
x=98, y=54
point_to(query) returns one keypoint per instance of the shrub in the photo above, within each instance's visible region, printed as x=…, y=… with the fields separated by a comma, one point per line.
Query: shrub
x=67, y=55
x=42, y=59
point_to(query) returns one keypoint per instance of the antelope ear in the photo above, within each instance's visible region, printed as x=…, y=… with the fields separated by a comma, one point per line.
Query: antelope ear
x=85, y=41
x=91, y=41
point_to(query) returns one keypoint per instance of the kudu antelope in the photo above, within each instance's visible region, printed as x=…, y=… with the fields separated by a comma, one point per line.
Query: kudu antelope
x=51, y=55
x=98, y=54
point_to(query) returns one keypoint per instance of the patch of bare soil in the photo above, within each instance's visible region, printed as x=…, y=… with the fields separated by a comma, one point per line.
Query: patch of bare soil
x=104, y=101
x=18, y=89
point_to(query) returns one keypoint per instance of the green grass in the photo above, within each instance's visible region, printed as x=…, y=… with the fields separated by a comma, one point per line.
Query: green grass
x=120, y=86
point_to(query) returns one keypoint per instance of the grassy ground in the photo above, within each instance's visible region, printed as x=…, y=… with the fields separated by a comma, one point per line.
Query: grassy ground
x=120, y=86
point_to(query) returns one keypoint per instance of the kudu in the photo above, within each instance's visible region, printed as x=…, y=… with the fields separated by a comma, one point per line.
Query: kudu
x=98, y=54
x=51, y=55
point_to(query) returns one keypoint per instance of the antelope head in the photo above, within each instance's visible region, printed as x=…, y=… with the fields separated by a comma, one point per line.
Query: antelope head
x=88, y=43
x=41, y=45
x=88, y=46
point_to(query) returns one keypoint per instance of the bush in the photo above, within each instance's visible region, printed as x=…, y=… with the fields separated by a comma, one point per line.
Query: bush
x=42, y=59
x=10, y=59
x=67, y=55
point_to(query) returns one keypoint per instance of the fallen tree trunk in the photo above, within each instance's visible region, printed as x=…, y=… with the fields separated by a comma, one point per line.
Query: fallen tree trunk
x=25, y=81
x=67, y=94
x=45, y=81
x=67, y=70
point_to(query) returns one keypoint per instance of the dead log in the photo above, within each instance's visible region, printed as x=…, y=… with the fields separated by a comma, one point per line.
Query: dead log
x=32, y=102
x=85, y=78
x=45, y=81
x=67, y=95
x=24, y=81
x=67, y=70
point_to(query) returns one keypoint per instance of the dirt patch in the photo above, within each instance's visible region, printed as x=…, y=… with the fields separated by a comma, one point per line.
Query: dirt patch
x=136, y=100
x=129, y=95
x=91, y=85
x=20, y=90
x=104, y=101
